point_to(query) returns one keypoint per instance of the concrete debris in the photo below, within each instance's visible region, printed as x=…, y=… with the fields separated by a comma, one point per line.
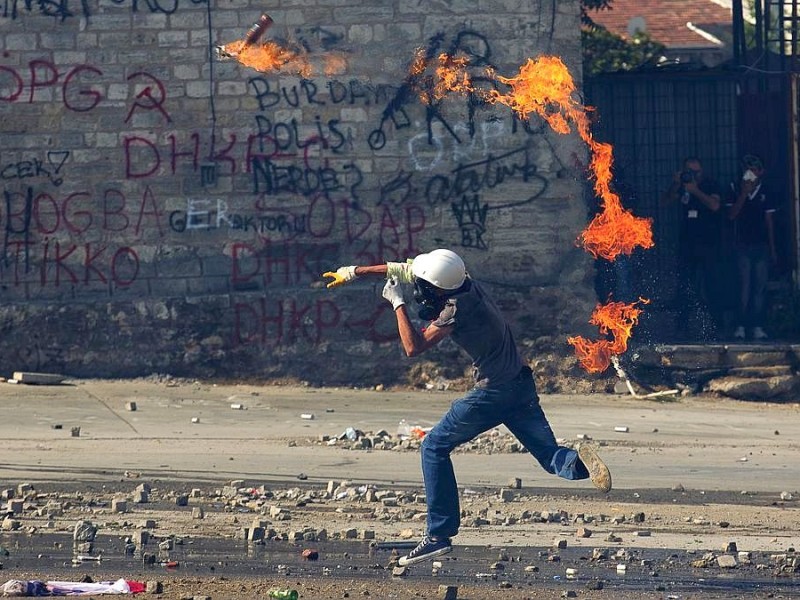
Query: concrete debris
x=491, y=442
x=84, y=531
x=447, y=592
x=726, y=561
x=37, y=378
x=259, y=515
x=742, y=388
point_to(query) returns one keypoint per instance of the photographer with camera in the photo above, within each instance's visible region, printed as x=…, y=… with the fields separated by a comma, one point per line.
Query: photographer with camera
x=698, y=198
x=752, y=211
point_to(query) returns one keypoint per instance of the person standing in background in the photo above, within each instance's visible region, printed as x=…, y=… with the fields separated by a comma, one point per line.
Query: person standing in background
x=753, y=213
x=699, y=199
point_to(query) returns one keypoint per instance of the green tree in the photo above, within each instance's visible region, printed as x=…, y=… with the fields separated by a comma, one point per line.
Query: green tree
x=606, y=52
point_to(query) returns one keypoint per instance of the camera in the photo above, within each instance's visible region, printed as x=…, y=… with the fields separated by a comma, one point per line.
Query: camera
x=687, y=176
x=749, y=176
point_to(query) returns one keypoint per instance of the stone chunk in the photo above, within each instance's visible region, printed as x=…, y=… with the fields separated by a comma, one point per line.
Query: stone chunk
x=10, y=524
x=506, y=495
x=154, y=587
x=84, y=531
x=140, y=538
x=447, y=592
x=38, y=378
x=726, y=561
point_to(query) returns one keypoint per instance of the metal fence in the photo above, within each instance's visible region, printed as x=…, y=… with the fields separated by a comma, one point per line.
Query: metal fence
x=654, y=121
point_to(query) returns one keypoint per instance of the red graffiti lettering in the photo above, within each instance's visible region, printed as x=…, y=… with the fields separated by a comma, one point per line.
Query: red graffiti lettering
x=39, y=215
x=224, y=154
x=141, y=152
x=80, y=213
x=284, y=263
x=79, y=220
x=42, y=74
x=15, y=89
x=114, y=218
x=193, y=153
x=254, y=324
x=94, y=96
x=49, y=76
x=86, y=263
x=124, y=266
x=147, y=99
x=283, y=322
x=155, y=213
x=60, y=265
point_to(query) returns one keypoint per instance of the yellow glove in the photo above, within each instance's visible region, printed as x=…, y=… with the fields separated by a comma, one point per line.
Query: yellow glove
x=341, y=276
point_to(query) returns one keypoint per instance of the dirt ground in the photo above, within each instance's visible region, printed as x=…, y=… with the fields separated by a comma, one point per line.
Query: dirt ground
x=696, y=479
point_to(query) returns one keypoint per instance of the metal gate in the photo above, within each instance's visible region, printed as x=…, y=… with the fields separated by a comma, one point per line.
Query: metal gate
x=654, y=121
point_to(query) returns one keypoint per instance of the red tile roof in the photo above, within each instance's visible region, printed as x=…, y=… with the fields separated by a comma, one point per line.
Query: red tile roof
x=665, y=20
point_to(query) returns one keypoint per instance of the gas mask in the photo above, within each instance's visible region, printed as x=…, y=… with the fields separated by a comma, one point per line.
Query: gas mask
x=430, y=303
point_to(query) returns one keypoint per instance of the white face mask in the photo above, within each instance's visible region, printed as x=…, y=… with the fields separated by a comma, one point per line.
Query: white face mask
x=749, y=176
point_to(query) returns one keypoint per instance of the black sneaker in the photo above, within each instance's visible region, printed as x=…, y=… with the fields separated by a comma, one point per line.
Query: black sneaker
x=428, y=548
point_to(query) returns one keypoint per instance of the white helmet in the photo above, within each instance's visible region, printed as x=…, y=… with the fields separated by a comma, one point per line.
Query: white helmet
x=442, y=268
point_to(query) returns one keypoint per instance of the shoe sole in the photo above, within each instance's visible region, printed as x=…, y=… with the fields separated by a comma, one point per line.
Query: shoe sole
x=404, y=562
x=598, y=471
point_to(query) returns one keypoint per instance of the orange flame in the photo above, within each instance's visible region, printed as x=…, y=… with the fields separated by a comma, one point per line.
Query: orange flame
x=546, y=88
x=615, y=318
x=269, y=56
x=450, y=75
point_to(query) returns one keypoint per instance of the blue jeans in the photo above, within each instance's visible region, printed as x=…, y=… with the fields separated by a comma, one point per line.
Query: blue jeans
x=514, y=404
x=753, y=262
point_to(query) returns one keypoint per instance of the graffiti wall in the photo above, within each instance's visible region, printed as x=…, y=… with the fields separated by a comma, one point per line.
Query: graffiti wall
x=168, y=208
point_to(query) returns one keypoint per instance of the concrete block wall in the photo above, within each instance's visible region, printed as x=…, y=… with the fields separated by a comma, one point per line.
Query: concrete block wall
x=167, y=211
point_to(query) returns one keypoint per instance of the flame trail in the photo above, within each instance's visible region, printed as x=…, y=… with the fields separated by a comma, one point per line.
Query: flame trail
x=615, y=318
x=271, y=56
x=546, y=88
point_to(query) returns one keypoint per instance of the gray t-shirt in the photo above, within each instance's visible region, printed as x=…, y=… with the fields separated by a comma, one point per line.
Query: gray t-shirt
x=480, y=329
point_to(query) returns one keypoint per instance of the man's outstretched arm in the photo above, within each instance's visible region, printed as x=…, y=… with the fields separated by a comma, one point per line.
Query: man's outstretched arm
x=342, y=275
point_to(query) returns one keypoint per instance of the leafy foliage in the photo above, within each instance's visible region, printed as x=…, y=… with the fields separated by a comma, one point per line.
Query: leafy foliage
x=587, y=5
x=606, y=52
